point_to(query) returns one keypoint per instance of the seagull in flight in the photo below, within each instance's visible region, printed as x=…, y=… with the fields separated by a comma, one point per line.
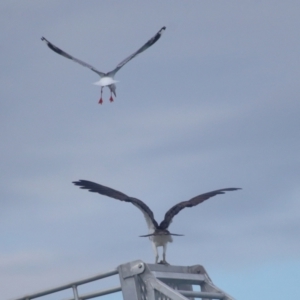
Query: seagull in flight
x=159, y=234
x=107, y=79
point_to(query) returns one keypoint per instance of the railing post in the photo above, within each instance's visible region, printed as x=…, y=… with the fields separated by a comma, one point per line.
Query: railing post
x=75, y=292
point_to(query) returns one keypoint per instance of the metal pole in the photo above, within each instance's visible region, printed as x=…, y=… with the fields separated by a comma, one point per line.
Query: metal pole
x=75, y=292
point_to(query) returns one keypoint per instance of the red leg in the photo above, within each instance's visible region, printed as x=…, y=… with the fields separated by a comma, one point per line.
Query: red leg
x=101, y=101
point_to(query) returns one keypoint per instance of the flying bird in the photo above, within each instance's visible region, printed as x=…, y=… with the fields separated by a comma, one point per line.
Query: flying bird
x=159, y=234
x=107, y=79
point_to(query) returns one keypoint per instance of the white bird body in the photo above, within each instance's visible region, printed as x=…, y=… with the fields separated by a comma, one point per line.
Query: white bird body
x=110, y=83
x=159, y=240
x=158, y=233
x=107, y=79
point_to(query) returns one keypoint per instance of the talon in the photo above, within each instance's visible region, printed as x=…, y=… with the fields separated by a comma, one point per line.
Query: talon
x=100, y=101
x=111, y=99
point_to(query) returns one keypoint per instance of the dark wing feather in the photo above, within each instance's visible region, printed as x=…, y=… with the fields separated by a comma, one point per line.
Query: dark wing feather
x=106, y=191
x=190, y=203
x=151, y=42
x=65, y=54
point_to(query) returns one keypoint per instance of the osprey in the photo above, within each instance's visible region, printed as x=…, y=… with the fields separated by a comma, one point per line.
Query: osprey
x=107, y=79
x=158, y=234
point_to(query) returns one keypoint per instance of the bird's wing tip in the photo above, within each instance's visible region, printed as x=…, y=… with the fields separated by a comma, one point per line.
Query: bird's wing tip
x=233, y=189
x=78, y=182
x=44, y=39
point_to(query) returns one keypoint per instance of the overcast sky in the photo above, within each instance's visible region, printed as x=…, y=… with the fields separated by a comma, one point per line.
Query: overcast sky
x=213, y=104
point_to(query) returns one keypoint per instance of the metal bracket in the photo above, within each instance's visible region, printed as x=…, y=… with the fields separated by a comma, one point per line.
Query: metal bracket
x=133, y=268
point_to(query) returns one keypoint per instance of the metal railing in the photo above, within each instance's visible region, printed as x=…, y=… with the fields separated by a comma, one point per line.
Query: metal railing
x=141, y=281
x=75, y=284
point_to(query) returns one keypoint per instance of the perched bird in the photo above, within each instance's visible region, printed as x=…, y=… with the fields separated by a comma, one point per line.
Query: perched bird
x=158, y=234
x=107, y=79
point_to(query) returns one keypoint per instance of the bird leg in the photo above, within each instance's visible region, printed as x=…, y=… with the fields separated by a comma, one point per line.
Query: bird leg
x=101, y=101
x=164, y=255
x=111, y=99
x=155, y=253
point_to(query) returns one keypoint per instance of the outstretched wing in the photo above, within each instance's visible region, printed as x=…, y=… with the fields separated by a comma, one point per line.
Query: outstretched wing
x=106, y=191
x=190, y=203
x=65, y=54
x=151, y=42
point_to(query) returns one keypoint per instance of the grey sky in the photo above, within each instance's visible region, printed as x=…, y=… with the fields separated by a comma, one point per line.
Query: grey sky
x=213, y=104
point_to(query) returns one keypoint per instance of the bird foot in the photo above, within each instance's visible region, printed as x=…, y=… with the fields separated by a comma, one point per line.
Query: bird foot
x=100, y=101
x=164, y=262
x=111, y=99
